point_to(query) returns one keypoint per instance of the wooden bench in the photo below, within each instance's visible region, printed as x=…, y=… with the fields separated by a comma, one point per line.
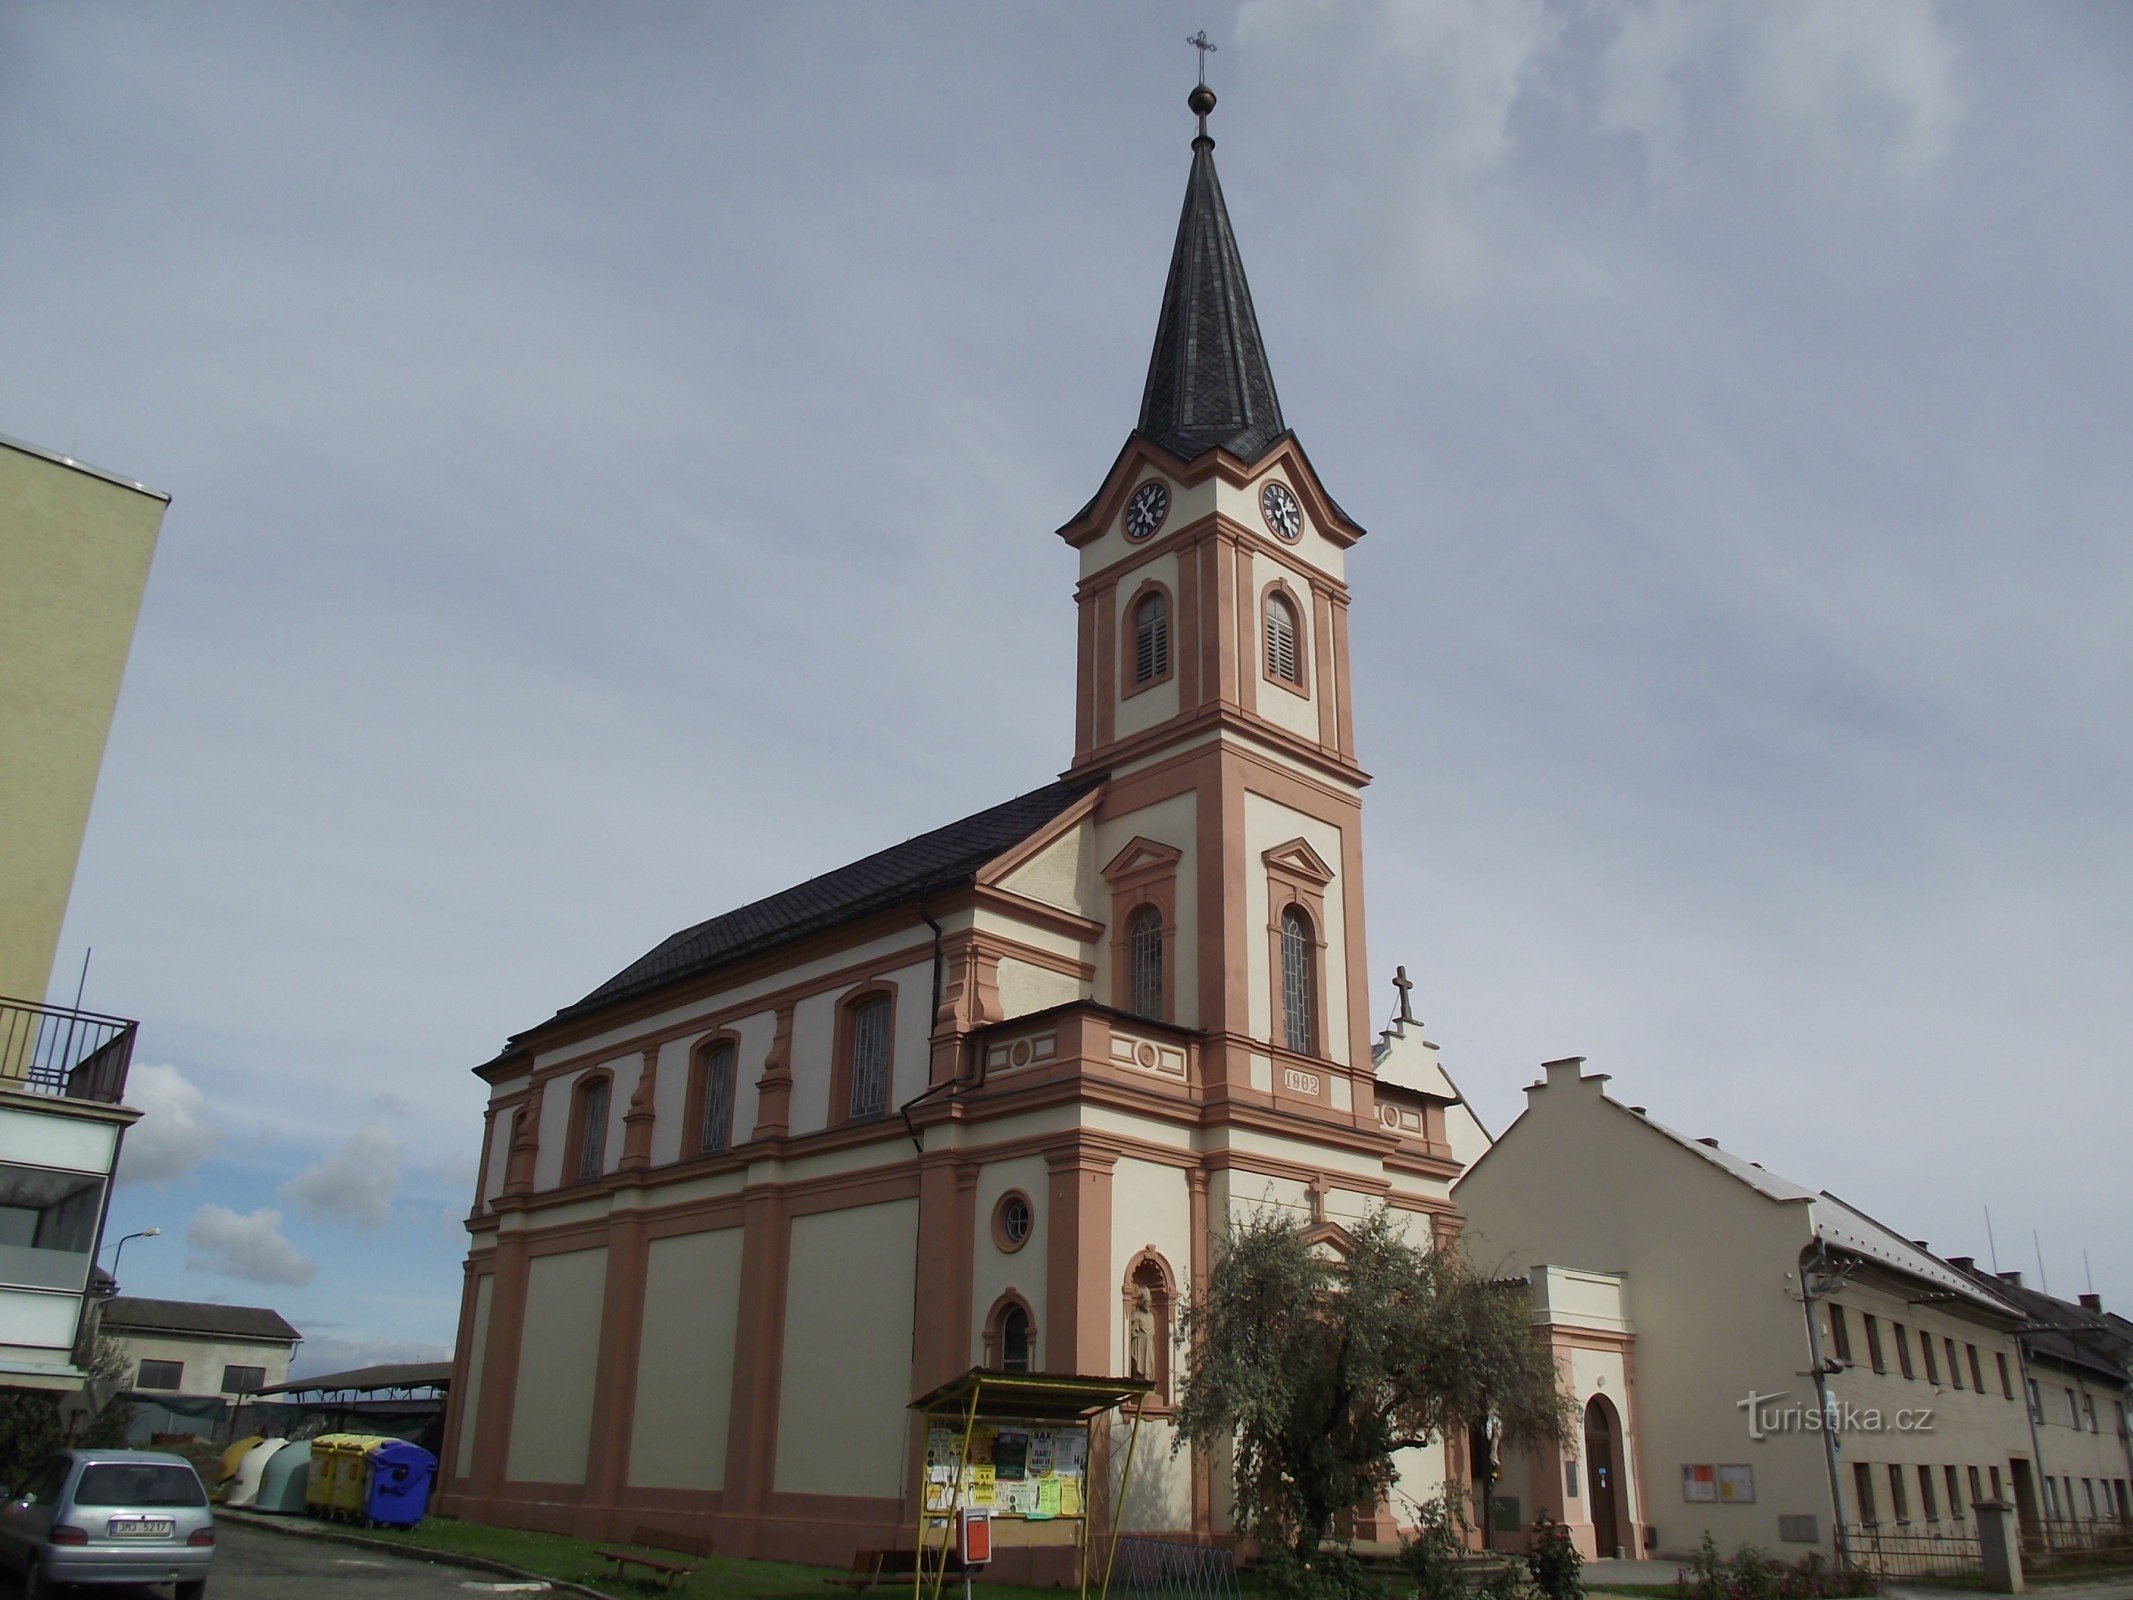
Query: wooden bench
x=869, y=1567
x=670, y=1573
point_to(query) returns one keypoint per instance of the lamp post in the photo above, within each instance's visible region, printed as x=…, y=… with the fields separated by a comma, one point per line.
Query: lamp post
x=117, y=1254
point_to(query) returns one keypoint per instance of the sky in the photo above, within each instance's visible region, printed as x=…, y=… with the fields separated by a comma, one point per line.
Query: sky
x=615, y=455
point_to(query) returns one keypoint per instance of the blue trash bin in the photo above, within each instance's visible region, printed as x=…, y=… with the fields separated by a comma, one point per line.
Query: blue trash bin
x=396, y=1483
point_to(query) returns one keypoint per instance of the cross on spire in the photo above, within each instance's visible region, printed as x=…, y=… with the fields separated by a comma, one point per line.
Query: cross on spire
x=1201, y=43
x=1406, y=985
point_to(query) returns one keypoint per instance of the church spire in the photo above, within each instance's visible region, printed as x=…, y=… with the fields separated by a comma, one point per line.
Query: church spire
x=1209, y=384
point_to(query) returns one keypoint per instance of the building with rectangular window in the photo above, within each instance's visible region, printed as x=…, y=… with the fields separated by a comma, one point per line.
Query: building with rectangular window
x=1737, y=1287
x=75, y=544
x=188, y=1361
x=988, y=1096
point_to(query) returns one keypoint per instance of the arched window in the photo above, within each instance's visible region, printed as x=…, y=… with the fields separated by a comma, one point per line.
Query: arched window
x=1014, y=1340
x=868, y=1067
x=587, y=1149
x=1144, y=939
x=1296, y=996
x=1284, y=660
x=1151, y=637
x=715, y=1130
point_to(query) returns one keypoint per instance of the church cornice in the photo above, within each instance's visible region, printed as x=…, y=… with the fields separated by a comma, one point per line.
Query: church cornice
x=1218, y=718
x=1093, y=519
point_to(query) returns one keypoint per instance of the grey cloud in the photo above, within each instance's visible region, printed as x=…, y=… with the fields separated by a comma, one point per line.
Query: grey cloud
x=174, y=1134
x=245, y=1246
x=354, y=1184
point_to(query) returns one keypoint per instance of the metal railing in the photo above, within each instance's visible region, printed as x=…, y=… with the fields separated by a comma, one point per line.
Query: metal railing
x=1915, y=1549
x=76, y=1055
x=2105, y=1541
x=1160, y=1569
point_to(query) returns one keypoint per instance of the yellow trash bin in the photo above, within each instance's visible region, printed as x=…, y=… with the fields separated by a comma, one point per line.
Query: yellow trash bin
x=335, y=1488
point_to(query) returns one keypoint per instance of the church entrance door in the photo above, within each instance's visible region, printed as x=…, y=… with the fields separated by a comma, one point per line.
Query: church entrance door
x=1600, y=1436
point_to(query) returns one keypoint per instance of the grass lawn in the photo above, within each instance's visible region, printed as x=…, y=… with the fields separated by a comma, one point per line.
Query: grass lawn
x=555, y=1555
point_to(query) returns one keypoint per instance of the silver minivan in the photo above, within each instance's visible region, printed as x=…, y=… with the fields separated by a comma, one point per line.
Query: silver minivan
x=109, y=1516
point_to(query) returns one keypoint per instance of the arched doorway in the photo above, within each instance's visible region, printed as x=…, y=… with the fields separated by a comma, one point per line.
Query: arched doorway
x=1603, y=1433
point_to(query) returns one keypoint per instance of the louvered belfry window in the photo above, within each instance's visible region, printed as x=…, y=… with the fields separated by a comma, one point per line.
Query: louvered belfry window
x=1296, y=980
x=718, y=1096
x=1151, y=638
x=1144, y=952
x=592, y=1128
x=1282, y=659
x=870, y=1057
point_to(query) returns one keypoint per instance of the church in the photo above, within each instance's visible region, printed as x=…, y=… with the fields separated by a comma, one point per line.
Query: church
x=987, y=1097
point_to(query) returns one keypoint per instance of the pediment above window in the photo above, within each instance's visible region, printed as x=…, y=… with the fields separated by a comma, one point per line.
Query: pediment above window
x=1299, y=860
x=1142, y=857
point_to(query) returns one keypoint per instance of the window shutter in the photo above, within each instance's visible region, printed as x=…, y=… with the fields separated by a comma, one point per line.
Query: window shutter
x=1281, y=657
x=1151, y=639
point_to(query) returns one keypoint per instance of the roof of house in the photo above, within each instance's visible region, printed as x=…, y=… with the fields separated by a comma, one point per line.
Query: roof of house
x=1838, y=1224
x=2060, y=1331
x=1209, y=384
x=903, y=873
x=135, y=1315
x=366, y=1380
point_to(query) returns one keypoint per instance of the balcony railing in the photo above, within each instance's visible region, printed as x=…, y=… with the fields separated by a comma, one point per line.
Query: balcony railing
x=75, y=1055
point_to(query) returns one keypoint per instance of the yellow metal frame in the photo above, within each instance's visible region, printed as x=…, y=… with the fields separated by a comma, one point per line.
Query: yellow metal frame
x=1112, y=1392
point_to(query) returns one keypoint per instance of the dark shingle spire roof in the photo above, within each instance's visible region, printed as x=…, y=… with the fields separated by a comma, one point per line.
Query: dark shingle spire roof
x=1209, y=383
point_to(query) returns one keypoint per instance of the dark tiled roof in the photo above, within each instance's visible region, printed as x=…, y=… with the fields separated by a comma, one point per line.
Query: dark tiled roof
x=1209, y=383
x=128, y=1313
x=392, y=1375
x=902, y=873
x=2060, y=1331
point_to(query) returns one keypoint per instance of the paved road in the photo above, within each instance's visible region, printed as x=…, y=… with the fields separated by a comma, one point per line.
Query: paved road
x=254, y=1565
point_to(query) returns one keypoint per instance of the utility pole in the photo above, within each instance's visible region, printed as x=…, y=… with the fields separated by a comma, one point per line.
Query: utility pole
x=1818, y=1282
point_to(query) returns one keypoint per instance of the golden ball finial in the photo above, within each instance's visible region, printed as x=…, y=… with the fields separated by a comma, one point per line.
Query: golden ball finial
x=1201, y=100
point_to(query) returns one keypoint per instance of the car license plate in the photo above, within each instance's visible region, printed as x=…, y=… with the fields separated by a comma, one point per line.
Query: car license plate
x=142, y=1528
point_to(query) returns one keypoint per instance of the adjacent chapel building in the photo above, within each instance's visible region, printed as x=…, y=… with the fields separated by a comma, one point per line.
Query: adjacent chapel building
x=984, y=1098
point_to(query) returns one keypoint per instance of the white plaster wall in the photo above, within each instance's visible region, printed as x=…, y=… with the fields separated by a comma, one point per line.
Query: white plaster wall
x=1025, y=987
x=814, y=1036
x=559, y=1349
x=1314, y=549
x=670, y=1136
x=203, y=1358
x=468, y=1402
x=54, y=1138
x=1158, y=1496
x=1160, y=703
x=1268, y=823
x=685, y=1361
x=1187, y=505
x=1173, y=822
x=847, y=1367
x=1577, y=1181
x=1062, y=873
x=555, y=1117
x=994, y=1271
x=1151, y=1205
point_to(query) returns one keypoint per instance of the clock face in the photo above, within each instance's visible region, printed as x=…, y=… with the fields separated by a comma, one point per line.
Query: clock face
x=1281, y=511
x=1146, y=510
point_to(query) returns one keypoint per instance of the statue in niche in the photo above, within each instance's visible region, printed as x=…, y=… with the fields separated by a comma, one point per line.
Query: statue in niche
x=1140, y=1337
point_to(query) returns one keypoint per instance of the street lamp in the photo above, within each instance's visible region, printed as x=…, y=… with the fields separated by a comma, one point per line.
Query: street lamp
x=145, y=1233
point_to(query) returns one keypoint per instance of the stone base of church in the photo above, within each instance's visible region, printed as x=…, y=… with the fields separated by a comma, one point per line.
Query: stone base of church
x=815, y=1530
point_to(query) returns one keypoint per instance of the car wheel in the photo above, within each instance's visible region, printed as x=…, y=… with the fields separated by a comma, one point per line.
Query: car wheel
x=35, y=1585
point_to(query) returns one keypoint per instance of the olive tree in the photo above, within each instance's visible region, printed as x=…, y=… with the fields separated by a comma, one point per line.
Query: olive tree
x=1316, y=1368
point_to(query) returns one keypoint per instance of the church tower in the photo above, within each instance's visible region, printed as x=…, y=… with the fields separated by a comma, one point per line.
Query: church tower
x=1213, y=698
